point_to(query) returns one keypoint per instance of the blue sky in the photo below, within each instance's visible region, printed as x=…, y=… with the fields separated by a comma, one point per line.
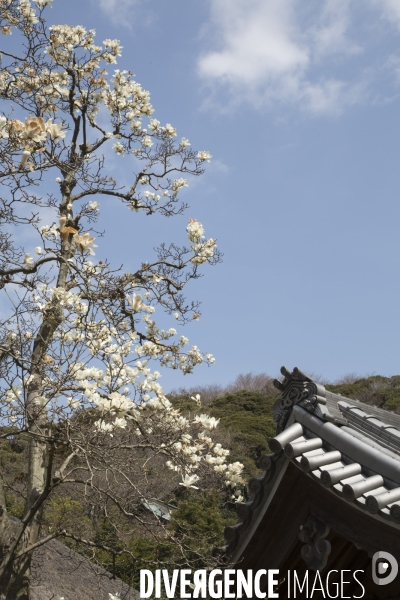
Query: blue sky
x=298, y=103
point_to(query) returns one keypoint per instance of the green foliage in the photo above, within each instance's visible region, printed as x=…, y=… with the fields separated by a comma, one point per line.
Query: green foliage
x=202, y=516
x=14, y=506
x=184, y=403
x=248, y=417
x=376, y=390
x=149, y=552
x=12, y=449
x=13, y=470
x=64, y=512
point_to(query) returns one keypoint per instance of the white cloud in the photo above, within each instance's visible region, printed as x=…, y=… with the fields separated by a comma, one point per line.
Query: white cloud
x=284, y=51
x=257, y=39
x=393, y=66
x=329, y=33
x=390, y=10
x=122, y=12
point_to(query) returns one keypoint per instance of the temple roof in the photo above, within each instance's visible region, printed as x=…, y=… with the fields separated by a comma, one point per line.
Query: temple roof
x=351, y=449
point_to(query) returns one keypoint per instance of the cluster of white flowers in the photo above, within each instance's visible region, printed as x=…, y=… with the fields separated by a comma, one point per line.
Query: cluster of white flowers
x=189, y=480
x=178, y=184
x=13, y=394
x=152, y=413
x=127, y=95
x=3, y=131
x=34, y=129
x=69, y=299
x=48, y=231
x=169, y=130
x=49, y=86
x=151, y=196
x=43, y=3
x=195, y=230
x=204, y=156
x=29, y=261
x=184, y=143
x=206, y=422
x=154, y=125
x=204, y=251
x=27, y=11
x=147, y=141
x=108, y=391
x=114, y=46
x=125, y=99
x=64, y=39
x=84, y=243
x=119, y=148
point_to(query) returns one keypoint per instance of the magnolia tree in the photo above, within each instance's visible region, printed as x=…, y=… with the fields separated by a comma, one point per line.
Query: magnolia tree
x=78, y=338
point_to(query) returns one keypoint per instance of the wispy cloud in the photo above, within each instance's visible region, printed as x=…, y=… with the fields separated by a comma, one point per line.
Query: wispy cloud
x=328, y=32
x=390, y=10
x=124, y=12
x=256, y=39
x=287, y=51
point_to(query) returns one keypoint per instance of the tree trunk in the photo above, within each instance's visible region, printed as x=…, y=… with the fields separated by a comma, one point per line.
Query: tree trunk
x=15, y=581
x=14, y=585
x=15, y=572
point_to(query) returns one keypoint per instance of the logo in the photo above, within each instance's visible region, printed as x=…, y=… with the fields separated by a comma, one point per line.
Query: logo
x=384, y=568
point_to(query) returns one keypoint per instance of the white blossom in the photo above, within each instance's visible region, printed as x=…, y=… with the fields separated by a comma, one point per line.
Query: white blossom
x=205, y=421
x=189, y=480
x=114, y=46
x=169, y=130
x=85, y=243
x=184, y=143
x=204, y=156
x=135, y=301
x=53, y=130
x=195, y=230
x=178, y=184
x=103, y=427
x=119, y=148
x=73, y=403
x=147, y=142
x=41, y=401
x=28, y=260
x=24, y=158
x=154, y=125
x=48, y=232
x=3, y=131
x=197, y=399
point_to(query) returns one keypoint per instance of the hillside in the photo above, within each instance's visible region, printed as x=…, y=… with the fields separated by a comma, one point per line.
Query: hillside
x=58, y=572
x=376, y=390
x=244, y=410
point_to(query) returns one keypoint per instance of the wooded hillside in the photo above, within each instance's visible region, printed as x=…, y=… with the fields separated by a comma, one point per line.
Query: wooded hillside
x=199, y=517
